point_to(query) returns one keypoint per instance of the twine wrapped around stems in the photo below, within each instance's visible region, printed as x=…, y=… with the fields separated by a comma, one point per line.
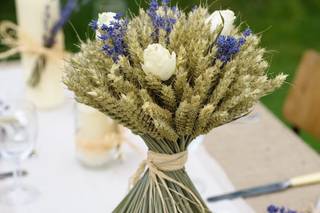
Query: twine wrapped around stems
x=157, y=163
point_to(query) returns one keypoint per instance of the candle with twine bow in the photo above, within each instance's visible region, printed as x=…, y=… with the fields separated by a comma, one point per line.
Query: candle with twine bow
x=39, y=39
x=98, y=138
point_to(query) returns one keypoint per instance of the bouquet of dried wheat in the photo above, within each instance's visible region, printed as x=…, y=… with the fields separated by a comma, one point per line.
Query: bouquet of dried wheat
x=169, y=76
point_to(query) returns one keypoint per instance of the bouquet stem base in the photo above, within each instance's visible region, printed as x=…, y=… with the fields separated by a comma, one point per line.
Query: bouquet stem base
x=161, y=196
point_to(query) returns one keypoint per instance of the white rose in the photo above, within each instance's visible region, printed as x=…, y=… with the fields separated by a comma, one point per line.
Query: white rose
x=159, y=61
x=104, y=19
x=216, y=20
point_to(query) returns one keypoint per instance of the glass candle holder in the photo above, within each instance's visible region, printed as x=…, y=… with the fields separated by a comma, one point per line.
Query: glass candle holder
x=98, y=138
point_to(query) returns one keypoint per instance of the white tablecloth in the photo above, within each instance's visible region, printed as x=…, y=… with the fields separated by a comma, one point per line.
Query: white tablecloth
x=68, y=187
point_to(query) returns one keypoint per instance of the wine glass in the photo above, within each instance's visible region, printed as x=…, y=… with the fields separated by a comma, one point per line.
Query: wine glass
x=18, y=130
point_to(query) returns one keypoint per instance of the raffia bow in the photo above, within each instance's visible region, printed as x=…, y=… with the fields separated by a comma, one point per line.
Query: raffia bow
x=20, y=42
x=158, y=163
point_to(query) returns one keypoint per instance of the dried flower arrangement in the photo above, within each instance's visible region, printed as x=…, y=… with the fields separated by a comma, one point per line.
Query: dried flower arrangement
x=169, y=76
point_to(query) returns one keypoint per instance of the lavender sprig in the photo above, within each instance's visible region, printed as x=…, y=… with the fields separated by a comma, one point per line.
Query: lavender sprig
x=49, y=40
x=113, y=36
x=93, y=24
x=228, y=46
x=277, y=209
x=162, y=21
x=64, y=17
x=247, y=32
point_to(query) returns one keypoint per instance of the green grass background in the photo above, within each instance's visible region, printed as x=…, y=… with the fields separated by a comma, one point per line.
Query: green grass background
x=289, y=28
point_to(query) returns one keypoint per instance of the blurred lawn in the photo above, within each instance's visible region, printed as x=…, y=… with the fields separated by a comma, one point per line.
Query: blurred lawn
x=289, y=28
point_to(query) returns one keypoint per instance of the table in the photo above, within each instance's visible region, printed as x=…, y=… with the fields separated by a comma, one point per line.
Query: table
x=66, y=186
x=265, y=151
x=251, y=153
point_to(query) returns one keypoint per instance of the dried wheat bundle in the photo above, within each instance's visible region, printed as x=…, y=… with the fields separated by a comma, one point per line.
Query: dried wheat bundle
x=169, y=76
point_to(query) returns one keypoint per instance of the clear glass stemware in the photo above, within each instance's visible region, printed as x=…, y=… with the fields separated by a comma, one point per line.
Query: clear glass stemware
x=18, y=130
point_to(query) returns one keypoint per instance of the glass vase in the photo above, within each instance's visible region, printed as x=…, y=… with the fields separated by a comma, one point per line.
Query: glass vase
x=98, y=138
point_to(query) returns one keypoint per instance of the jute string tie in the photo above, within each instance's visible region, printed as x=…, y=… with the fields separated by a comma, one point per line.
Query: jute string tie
x=158, y=163
x=18, y=41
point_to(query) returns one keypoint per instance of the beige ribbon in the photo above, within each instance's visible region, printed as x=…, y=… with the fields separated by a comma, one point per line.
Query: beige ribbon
x=19, y=42
x=157, y=163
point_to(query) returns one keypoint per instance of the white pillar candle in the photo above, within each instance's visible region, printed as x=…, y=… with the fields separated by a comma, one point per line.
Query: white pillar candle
x=97, y=136
x=49, y=92
x=92, y=124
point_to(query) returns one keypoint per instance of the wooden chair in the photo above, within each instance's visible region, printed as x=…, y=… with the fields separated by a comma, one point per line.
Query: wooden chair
x=302, y=106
